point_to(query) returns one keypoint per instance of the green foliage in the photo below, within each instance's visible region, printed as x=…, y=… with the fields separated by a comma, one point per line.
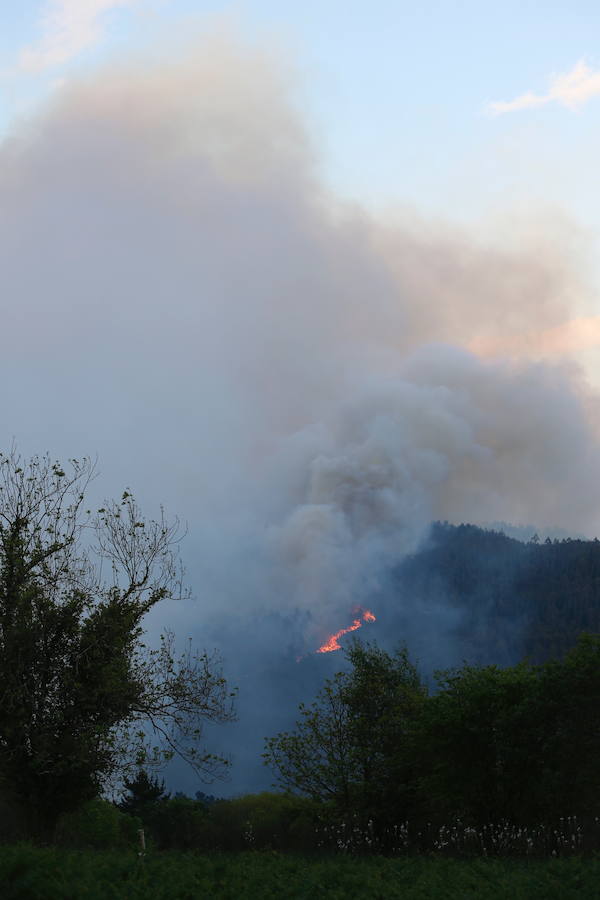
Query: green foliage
x=263, y=821
x=471, y=747
x=254, y=821
x=97, y=825
x=45, y=874
x=178, y=823
x=348, y=746
x=520, y=743
x=80, y=691
x=385, y=697
x=142, y=794
x=564, y=723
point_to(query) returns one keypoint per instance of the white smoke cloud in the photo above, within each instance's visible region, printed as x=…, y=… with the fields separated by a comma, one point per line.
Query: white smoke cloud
x=182, y=296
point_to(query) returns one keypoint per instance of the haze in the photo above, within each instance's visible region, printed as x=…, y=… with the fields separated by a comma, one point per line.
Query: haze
x=306, y=382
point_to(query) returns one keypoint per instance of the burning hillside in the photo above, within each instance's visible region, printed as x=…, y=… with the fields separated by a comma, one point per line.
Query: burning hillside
x=333, y=641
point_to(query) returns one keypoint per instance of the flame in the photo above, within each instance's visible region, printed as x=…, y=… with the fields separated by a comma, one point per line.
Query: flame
x=333, y=641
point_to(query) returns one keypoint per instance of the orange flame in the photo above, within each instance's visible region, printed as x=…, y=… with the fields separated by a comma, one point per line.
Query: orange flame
x=333, y=641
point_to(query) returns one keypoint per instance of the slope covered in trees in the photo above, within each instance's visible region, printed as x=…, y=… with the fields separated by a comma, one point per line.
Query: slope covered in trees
x=510, y=599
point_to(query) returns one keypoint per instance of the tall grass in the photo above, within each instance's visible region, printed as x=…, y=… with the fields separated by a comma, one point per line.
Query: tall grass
x=568, y=836
x=28, y=873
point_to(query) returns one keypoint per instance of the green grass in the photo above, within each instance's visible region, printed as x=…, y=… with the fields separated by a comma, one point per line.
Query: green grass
x=29, y=873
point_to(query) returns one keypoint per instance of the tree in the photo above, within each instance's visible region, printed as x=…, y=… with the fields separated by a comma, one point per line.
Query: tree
x=348, y=746
x=474, y=747
x=142, y=793
x=564, y=712
x=520, y=743
x=82, y=699
x=386, y=697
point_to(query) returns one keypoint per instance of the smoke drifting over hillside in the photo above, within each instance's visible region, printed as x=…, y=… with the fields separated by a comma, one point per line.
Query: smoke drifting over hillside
x=283, y=370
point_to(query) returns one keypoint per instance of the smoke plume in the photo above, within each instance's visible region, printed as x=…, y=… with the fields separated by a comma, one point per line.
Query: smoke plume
x=286, y=371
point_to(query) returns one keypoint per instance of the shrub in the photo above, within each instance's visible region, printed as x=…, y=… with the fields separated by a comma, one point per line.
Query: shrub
x=263, y=821
x=178, y=823
x=98, y=825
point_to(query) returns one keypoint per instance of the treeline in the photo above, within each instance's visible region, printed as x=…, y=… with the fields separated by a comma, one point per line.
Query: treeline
x=519, y=744
x=267, y=820
x=513, y=599
x=496, y=761
x=378, y=761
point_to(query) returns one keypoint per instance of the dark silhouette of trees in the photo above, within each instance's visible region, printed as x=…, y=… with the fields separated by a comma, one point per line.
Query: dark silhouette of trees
x=347, y=746
x=513, y=599
x=142, y=793
x=81, y=698
x=517, y=744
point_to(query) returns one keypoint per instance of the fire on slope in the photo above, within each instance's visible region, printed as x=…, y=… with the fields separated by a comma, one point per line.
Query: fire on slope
x=333, y=641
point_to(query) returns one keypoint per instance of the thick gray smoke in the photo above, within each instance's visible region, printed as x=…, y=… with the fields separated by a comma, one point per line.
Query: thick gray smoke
x=288, y=374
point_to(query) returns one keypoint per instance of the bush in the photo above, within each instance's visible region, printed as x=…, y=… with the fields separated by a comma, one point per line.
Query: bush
x=178, y=823
x=265, y=821
x=98, y=825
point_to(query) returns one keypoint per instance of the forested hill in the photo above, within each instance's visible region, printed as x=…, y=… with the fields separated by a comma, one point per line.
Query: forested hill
x=509, y=599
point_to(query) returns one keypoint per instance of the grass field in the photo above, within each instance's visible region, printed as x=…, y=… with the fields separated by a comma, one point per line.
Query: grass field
x=30, y=873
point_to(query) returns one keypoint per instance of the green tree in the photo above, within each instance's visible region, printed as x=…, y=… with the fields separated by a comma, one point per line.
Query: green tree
x=520, y=743
x=82, y=699
x=348, y=747
x=385, y=697
x=564, y=716
x=142, y=793
x=473, y=746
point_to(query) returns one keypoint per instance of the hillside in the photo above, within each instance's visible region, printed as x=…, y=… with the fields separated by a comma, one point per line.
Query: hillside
x=510, y=599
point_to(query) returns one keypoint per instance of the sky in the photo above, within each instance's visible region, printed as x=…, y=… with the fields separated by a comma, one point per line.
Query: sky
x=462, y=111
x=409, y=102
x=309, y=277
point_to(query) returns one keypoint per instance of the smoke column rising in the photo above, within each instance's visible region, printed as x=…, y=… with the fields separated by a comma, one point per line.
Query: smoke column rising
x=285, y=371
